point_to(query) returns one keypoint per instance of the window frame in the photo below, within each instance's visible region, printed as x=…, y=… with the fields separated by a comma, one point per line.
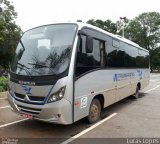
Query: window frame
x=101, y=66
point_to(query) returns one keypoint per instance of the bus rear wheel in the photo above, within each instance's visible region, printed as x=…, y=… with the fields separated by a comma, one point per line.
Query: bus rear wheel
x=136, y=95
x=94, y=111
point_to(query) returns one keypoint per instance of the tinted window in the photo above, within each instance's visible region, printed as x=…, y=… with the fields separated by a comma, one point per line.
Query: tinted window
x=125, y=55
x=87, y=61
x=110, y=52
x=142, y=59
x=96, y=53
x=115, y=54
x=146, y=60
x=130, y=56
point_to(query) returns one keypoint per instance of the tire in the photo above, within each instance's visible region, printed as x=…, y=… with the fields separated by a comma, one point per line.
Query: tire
x=94, y=111
x=136, y=95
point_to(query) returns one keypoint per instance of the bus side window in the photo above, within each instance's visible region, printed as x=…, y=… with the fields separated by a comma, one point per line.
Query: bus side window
x=89, y=61
x=80, y=45
x=80, y=55
x=102, y=53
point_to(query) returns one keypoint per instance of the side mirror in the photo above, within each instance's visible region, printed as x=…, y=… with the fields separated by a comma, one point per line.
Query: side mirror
x=11, y=43
x=20, y=53
x=5, y=47
x=89, y=45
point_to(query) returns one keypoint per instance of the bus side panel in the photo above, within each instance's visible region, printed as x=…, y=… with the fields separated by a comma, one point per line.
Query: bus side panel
x=128, y=79
x=144, y=78
x=89, y=85
x=123, y=89
x=114, y=85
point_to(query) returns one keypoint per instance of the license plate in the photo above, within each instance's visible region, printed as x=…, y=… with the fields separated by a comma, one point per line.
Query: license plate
x=27, y=116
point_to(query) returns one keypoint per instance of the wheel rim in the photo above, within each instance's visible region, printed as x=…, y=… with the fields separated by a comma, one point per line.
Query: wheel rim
x=94, y=112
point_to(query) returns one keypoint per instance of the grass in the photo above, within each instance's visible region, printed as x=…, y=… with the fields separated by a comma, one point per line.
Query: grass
x=3, y=84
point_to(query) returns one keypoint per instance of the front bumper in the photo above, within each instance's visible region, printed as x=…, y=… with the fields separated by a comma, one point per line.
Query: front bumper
x=57, y=112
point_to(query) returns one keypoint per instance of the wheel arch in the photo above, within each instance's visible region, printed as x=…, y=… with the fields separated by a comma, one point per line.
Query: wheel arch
x=100, y=97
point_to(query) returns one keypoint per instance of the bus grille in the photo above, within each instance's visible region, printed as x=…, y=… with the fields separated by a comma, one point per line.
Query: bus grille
x=32, y=98
x=29, y=110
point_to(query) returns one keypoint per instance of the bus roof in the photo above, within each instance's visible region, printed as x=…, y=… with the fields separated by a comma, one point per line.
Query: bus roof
x=81, y=25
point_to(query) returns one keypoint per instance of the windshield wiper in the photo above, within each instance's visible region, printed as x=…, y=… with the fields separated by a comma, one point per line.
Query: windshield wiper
x=24, y=68
x=41, y=65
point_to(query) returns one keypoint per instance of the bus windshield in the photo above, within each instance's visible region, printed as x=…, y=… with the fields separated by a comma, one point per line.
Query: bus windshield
x=44, y=50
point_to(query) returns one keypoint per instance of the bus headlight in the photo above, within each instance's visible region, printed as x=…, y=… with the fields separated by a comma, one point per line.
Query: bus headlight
x=57, y=96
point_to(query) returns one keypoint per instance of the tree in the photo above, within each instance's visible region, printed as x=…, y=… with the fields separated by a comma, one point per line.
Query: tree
x=155, y=59
x=79, y=20
x=145, y=30
x=8, y=30
x=107, y=25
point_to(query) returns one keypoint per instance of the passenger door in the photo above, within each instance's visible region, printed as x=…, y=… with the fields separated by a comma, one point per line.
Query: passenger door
x=88, y=77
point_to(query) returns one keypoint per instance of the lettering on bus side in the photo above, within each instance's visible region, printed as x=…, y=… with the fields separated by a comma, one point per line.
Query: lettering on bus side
x=140, y=74
x=122, y=76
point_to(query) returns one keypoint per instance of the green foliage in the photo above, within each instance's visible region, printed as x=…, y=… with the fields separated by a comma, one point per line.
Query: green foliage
x=79, y=20
x=8, y=30
x=155, y=59
x=144, y=30
x=107, y=25
x=3, y=84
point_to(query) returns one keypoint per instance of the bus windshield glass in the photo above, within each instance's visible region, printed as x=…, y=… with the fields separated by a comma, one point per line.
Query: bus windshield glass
x=44, y=50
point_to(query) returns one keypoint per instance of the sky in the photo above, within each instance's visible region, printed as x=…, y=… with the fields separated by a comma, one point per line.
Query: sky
x=33, y=13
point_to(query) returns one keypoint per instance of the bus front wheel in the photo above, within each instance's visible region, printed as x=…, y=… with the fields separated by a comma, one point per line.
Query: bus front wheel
x=94, y=111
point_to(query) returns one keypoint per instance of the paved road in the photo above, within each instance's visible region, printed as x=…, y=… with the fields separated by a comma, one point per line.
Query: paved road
x=134, y=119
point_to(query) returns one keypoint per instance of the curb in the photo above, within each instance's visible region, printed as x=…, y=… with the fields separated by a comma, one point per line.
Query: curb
x=3, y=94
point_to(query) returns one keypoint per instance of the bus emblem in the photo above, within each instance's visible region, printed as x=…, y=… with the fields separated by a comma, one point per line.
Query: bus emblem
x=27, y=89
x=26, y=98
